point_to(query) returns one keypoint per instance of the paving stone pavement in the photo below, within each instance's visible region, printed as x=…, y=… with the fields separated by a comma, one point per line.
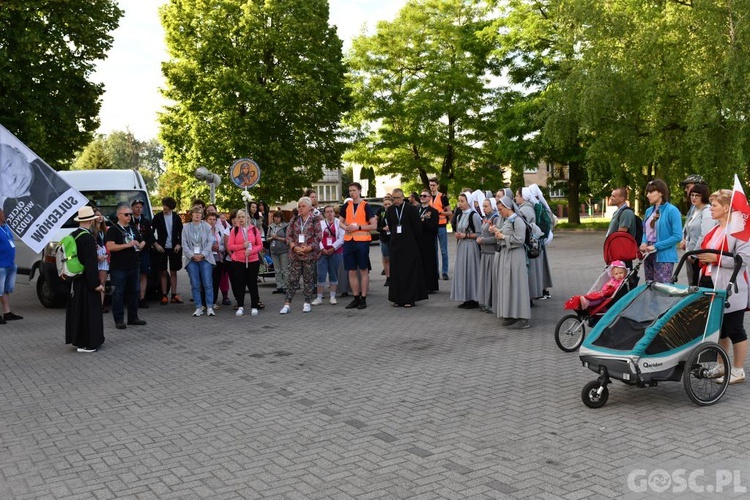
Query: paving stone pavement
x=429, y=402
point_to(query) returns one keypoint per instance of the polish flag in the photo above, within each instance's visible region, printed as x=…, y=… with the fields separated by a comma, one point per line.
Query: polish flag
x=739, y=225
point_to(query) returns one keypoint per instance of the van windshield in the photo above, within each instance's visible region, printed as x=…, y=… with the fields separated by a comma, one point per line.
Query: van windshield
x=107, y=201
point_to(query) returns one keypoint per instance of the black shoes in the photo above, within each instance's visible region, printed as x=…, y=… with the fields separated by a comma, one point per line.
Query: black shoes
x=136, y=321
x=469, y=304
x=354, y=303
x=387, y=282
x=120, y=326
x=9, y=316
x=445, y=277
x=362, y=303
x=143, y=304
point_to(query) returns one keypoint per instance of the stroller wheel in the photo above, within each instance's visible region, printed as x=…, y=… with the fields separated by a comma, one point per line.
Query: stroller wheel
x=700, y=386
x=569, y=333
x=592, y=396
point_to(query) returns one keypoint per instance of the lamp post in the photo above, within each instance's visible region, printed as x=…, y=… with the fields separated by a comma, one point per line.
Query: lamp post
x=212, y=179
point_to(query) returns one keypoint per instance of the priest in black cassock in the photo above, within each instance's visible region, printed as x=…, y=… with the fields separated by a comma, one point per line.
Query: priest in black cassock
x=84, y=325
x=428, y=242
x=407, y=284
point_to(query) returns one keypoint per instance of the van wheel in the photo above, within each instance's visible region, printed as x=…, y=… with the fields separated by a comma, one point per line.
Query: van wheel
x=46, y=295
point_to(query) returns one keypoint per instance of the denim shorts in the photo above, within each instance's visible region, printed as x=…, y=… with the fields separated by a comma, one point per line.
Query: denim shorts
x=385, y=249
x=7, y=279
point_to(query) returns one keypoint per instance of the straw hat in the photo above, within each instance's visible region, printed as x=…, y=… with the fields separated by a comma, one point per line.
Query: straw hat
x=85, y=214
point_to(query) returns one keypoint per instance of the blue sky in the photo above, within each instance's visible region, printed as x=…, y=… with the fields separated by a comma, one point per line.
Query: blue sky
x=131, y=74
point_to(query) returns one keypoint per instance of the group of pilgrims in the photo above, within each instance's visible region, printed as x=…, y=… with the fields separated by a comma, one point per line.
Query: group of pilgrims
x=492, y=271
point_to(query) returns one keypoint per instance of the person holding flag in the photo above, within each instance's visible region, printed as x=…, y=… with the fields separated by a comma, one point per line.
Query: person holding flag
x=716, y=271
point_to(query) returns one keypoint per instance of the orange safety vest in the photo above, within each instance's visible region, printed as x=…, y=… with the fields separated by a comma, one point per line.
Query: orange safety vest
x=437, y=204
x=359, y=218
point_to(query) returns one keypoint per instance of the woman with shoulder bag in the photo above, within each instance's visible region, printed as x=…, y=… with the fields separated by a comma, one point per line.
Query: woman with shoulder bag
x=279, y=250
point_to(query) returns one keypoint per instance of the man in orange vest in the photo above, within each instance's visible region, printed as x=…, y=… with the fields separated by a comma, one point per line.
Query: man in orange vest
x=440, y=203
x=357, y=218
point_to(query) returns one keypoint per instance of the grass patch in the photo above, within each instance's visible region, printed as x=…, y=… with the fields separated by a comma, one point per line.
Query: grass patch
x=588, y=225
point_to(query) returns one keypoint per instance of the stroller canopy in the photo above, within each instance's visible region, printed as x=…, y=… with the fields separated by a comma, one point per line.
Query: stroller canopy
x=657, y=318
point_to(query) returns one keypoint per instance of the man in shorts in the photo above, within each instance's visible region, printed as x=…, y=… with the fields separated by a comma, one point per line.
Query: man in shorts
x=167, y=228
x=357, y=218
x=7, y=269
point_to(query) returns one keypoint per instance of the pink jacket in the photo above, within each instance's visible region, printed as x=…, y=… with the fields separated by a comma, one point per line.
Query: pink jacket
x=236, y=244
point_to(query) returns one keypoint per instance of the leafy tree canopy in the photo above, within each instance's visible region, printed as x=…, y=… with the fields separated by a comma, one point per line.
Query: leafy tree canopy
x=421, y=85
x=47, y=55
x=121, y=150
x=254, y=79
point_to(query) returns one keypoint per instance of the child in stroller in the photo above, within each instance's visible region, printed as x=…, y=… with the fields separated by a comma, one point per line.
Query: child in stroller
x=612, y=284
x=617, y=272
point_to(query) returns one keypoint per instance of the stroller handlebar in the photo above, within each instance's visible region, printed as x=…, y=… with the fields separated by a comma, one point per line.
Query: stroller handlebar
x=737, y=265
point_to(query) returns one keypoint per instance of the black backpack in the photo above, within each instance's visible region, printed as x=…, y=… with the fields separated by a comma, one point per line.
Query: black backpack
x=638, y=225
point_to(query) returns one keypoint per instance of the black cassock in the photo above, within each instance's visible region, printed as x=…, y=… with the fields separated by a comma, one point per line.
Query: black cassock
x=84, y=325
x=428, y=246
x=407, y=284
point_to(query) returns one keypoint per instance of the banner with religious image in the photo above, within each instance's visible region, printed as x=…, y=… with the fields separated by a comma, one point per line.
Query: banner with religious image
x=36, y=201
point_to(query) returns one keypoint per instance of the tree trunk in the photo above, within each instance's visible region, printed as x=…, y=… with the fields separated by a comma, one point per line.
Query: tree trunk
x=574, y=184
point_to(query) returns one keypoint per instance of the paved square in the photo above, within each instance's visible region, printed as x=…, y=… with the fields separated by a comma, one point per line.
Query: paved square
x=429, y=402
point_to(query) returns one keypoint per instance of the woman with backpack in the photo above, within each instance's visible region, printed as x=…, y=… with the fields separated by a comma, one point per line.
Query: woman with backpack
x=511, y=300
x=525, y=201
x=465, y=285
x=543, y=211
x=245, y=244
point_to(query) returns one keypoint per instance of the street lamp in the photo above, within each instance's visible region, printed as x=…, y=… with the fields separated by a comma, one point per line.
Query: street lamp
x=212, y=179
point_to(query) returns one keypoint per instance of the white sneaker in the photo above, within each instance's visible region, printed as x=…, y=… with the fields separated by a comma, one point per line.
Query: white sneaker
x=253, y=312
x=285, y=309
x=737, y=376
x=211, y=311
x=715, y=371
x=198, y=312
x=306, y=308
x=334, y=301
x=240, y=311
x=317, y=301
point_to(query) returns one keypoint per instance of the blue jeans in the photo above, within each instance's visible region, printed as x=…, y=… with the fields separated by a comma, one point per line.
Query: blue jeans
x=442, y=238
x=328, y=265
x=200, y=274
x=126, y=284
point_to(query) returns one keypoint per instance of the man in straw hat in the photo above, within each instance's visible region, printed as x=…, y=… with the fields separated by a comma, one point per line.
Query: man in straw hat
x=84, y=326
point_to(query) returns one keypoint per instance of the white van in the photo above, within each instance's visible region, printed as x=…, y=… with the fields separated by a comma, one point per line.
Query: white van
x=104, y=190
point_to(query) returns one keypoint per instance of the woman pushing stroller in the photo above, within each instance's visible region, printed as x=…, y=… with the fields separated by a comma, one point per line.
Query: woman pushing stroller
x=715, y=273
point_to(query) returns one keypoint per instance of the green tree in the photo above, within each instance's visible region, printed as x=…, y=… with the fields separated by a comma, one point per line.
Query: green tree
x=421, y=84
x=535, y=121
x=47, y=55
x=254, y=79
x=660, y=88
x=121, y=150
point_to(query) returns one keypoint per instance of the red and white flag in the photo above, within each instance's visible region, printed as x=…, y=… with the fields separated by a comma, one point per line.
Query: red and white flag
x=739, y=225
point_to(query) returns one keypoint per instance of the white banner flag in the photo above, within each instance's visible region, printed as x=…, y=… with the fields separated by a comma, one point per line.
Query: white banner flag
x=36, y=201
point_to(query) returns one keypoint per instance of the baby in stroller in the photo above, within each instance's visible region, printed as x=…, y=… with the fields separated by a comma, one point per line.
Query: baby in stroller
x=617, y=272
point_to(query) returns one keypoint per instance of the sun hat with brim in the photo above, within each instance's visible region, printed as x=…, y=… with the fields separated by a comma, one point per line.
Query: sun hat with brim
x=85, y=214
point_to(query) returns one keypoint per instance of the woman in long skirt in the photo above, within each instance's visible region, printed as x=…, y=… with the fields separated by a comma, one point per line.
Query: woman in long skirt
x=525, y=201
x=487, y=242
x=512, y=303
x=466, y=270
